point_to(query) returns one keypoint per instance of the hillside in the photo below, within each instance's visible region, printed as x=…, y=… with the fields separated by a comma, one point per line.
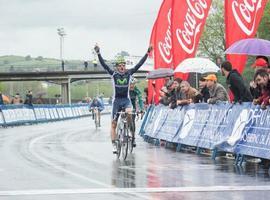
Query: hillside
x=28, y=63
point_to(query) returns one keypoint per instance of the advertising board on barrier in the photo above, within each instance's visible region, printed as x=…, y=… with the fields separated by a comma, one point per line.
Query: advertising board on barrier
x=1, y=118
x=241, y=129
x=40, y=113
x=232, y=127
x=211, y=134
x=174, y=121
x=21, y=114
x=255, y=139
x=196, y=117
x=156, y=120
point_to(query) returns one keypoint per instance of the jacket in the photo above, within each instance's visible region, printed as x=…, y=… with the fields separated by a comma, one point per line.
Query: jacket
x=236, y=84
x=217, y=93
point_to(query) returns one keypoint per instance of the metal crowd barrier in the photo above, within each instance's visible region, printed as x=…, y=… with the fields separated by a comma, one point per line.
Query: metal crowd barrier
x=24, y=114
x=242, y=130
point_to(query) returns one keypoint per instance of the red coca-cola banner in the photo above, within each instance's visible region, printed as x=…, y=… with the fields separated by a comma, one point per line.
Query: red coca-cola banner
x=242, y=18
x=188, y=20
x=162, y=40
x=177, y=31
x=162, y=47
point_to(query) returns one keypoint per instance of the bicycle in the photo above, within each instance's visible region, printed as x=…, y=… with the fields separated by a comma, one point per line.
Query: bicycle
x=124, y=142
x=95, y=117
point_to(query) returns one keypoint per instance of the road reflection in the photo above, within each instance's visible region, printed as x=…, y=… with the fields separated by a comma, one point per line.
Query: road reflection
x=124, y=172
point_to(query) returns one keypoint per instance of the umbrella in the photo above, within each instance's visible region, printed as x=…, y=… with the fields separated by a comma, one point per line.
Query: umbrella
x=160, y=73
x=251, y=46
x=197, y=65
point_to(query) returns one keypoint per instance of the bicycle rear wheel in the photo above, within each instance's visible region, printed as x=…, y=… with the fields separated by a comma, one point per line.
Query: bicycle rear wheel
x=130, y=138
x=124, y=143
x=95, y=119
x=118, y=148
x=118, y=141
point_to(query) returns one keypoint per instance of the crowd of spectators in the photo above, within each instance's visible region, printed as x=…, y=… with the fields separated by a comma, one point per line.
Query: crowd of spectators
x=177, y=92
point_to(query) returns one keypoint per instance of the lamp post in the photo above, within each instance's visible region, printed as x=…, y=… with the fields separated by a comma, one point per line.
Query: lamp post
x=61, y=33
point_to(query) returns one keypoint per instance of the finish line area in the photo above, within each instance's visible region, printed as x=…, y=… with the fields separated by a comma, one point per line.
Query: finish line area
x=134, y=190
x=73, y=160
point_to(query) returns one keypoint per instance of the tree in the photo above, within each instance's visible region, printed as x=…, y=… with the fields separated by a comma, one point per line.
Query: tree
x=39, y=58
x=263, y=30
x=28, y=58
x=212, y=43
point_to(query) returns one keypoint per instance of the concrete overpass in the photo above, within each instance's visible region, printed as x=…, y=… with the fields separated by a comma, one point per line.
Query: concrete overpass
x=64, y=78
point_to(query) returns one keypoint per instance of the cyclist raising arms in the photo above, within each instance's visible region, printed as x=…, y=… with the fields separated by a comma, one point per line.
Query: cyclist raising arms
x=121, y=79
x=137, y=103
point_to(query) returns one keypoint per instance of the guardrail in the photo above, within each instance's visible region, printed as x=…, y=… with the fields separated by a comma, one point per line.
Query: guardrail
x=11, y=115
x=243, y=130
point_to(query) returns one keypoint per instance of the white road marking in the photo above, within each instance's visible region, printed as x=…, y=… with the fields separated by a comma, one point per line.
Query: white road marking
x=31, y=149
x=135, y=190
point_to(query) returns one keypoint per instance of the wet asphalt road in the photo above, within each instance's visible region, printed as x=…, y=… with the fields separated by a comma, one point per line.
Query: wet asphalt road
x=73, y=160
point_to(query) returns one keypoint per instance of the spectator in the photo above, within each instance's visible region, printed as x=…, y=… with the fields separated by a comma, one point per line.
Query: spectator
x=1, y=99
x=176, y=93
x=29, y=98
x=17, y=99
x=204, y=91
x=217, y=91
x=236, y=83
x=145, y=90
x=85, y=65
x=190, y=94
x=164, y=96
x=261, y=78
x=261, y=62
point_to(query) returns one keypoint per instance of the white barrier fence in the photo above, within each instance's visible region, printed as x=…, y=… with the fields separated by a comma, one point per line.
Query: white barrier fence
x=22, y=114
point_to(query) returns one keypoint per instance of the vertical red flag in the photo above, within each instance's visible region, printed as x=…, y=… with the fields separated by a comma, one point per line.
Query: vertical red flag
x=163, y=37
x=242, y=18
x=177, y=31
x=188, y=20
x=162, y=41
x=151, y=88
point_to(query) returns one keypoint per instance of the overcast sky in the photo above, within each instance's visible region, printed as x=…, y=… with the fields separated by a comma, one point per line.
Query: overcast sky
x=29, y=27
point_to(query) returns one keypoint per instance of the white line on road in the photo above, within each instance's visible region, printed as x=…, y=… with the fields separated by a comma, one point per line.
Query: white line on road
x=134, y=190
x=31, y=149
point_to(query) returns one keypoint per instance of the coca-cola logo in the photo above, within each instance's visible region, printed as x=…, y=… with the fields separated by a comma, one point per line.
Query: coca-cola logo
x=165, y=46
x=193, y=21
x=245, y=14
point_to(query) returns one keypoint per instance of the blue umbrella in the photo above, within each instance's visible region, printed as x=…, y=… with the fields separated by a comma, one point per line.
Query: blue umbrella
x=251, y=46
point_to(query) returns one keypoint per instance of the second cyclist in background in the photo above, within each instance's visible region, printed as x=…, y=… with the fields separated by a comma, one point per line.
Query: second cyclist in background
x=137, y=104
x=96, y=103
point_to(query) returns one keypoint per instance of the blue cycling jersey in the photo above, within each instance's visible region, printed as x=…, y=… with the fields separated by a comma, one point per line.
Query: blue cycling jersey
x=97, y=104
x=121, y=80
